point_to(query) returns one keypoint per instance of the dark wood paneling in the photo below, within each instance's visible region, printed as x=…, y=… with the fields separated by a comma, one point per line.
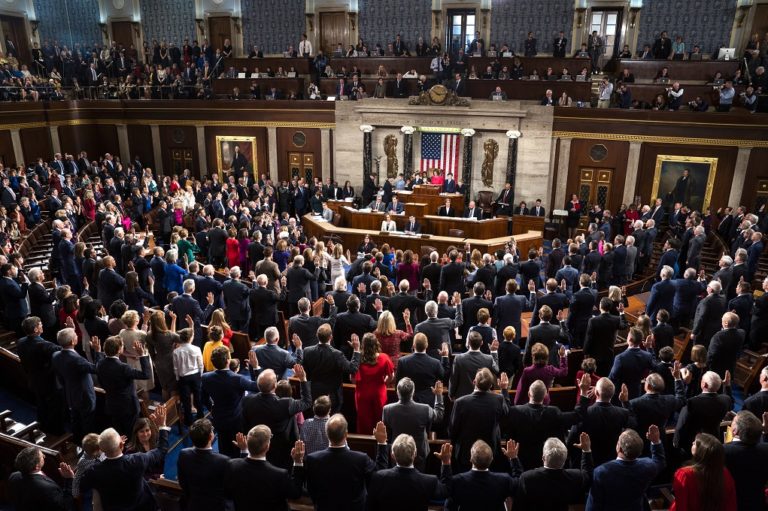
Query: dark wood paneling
x=224, y=86
x=333, y=30
x=615, y=160
x=122, y=33
x=285, y=146
x=36, y=143
x=93, y=139
x=261, y=146
x=679, y=69
x=140, y=143
x=7, y=157
x=726, y=160
x=179, y=137
x=757, y=169
x=219, y=29
x=15, y=29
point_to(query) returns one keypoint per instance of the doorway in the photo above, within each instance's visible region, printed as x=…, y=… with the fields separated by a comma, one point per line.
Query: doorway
x=333, y=30
x=15, y=31
x=300, y=165
x=122, y=33
x=460, y=29
x=607, y=22
x=182, y=158
x=219, y=29
x=594, y=187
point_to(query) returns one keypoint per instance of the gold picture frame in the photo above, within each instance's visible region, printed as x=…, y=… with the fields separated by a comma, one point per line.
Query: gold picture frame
x=225, y=149
x=669, y=170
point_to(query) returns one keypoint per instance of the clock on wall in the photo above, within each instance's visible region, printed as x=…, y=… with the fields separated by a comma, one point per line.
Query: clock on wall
x=598, y=152
x=178, y=136
x=299, y=139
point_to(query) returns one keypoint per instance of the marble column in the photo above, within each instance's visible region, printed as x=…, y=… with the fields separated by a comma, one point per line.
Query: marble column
x=325, y=155
x=201, y=149
x=367, y=130
x=55, y=142
x=633, y=162
x=466, y=162
x=512, y=135
x=563, y=162
x=272, y=152
x=156, y=149
x=18, y=150
x=407, y=150
x=739, y=174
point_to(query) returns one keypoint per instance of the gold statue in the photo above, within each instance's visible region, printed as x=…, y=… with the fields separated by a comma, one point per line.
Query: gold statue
x=390, y=149
x=491, y=148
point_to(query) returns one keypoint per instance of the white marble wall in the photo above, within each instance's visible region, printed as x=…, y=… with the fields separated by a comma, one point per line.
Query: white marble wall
x=488, y=120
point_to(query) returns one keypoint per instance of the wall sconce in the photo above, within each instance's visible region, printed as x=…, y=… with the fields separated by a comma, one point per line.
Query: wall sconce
x=236, y=22
x=485, y=17
x=200, y=25
x=741, y=13
x=33, y=24
x=437, y=19
x=136, y=28
x=352, y=20
x=103, y=27
x=580, y=12
x=311, y=22
x=633, y=11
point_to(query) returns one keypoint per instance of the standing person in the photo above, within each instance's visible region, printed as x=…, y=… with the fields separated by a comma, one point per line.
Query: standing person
x=202, y=472
x=188, y=367
x=376, y=371
x=595, y=48
x=706, y=484
x=161, y=341
x=573, y=207
x=326, y=366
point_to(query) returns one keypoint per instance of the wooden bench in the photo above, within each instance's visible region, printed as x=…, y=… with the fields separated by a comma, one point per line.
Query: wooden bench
x=748, y=369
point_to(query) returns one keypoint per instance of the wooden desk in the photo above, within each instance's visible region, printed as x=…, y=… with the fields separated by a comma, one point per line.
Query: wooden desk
x=524, y=223
x=370, y=220
x=479, y=229
x=529, y=89
x=353, y=237
x=283, y=85
x=328, y=86
x=685, y=70
x=648, y=92
x=301, y=65
x=540, y=64
x=432, y=199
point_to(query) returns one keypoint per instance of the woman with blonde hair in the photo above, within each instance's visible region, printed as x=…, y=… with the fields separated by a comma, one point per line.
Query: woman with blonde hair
x=132, y=336
x=375, y=372
x=390, y=337
x=218, y=318
x=338, y=260
x=161, y=340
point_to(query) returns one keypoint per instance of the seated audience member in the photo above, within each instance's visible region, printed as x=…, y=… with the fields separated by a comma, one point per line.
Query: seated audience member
x=548, y=100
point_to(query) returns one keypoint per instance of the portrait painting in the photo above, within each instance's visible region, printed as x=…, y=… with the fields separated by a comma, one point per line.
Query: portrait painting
x=235, y=154
x=684, y=179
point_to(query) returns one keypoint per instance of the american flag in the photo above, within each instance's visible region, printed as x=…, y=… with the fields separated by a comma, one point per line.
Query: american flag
x=441, y=151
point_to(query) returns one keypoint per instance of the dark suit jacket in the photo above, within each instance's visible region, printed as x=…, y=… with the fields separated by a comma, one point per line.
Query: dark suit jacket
x=630, y=367
x=424, y=371
x=452, y=278
x=184, y=305
x=205, y=285
x=702, y=414
x=39, y=493
x=686, y=297
x=264, y=306
x=110, y=287
x=326, y=368
x=36, y=354
x=226, y=389
x=469, y=307
x=581, y=309
x=202, y=475
x=442, y=211
x=549, y=335
x=756, y=403
x=74, y=374
x=556, y=301
x=742, y=306
x=248, y=477
x=337, y=477
x=460, y=87
x=120, y=481
x=708, y=318
x=507, y=310
x=14, y=297
x=480, y=491
x=476, y=417
x=604, y=423
x=236, y=302
x=662, y=296
x=623, y=483
x=750, y=473
x=601, y=336
x=531, y=424
x=548, y=489
x=655, y=409
x=405, y=489
x=724, y=349
x=306, y=326
x=505, y=273
x=116, y=378
x=438, y=331
x=348, y=323
x=465, y=367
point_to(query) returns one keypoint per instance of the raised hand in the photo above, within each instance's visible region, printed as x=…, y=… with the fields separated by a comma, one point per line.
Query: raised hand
x=190, y=321
x=727, y=379
x=495, y=345
x=141, y=350
x=649, y=342
x=298, y=371
x=531, y=286
x=355, y=342
x=159, y=416
x=329, y=300
x=240, y=441
x=445, y=454
x=456, y=298
x=444, y=350
x=585, y=384
x=95, y=344
x=253, y=360
x=488, y=295
x=511, y=450
x=653, y=434
x=209, y=297
x=676, y=370
x=66, y=471
x=624, y=393
x=296, y=341
x=297, y=452
x=426, y=284
x=380, y=307
x=380, y=433
x=504, y=381
x=69, y=322
x=585, y=443
x=361, y=288
x=561, y=351
x=438, y=388
x=406, y=312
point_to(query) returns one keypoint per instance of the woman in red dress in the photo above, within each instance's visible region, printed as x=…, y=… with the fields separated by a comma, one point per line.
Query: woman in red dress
x=706, y=484
x=630, y=216
x=437, y=178
x=376, y=370
x=233, y=248
x=390, y=337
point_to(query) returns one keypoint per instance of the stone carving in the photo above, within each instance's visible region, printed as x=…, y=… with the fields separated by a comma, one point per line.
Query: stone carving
x=390, y=149
x=491, y=150
x=438, y=95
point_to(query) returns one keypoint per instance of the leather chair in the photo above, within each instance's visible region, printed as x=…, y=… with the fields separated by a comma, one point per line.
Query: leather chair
x=456, y=233
x=485, y=202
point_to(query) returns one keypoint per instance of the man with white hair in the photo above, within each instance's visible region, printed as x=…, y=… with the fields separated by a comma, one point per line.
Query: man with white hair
x=703, y=413
x=189, y=313
x=695, y=246
x=305, y=326
x=687, y=291
x=271, y=356
x=725, y=346
x=236, y=303
x=439, y=330
x=552, y=487
x=709, y=312
x=406, y=300
x=403, y=486
x=119, y=478
x=725, y=275
x=757, y=403
x=602, y=421
x=41, y=303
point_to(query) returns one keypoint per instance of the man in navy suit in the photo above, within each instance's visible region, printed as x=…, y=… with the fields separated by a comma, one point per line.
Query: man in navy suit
x=403, y=486
x=237, y=305
x=703, y=413
x=473, y=211
x=581, y=309
x=687, y=291
x=555, y=298
x=395, y=206
x=662, y=294
x=13, y=289
x=202, y=473
x=459, y=86
x=622, y=483
x=111, y=284
x=668, y=257
x=603, y=421
x=450, y=185
x=537, y=209
x=30, y=488
x=187, y=308
x=423, y=369
x=227, y=389
x=480, y=488
x=119, y=478
x=507, y=309
x=400, y=88
x=338, y=477
x=745, y=458
x=74, y=374
x=754, y=252
x=630, y=366
x=208, y=284
x=412, y=226
x=116, y=378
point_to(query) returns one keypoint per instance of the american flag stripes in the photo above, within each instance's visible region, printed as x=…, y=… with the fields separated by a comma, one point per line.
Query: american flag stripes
x=441, y=151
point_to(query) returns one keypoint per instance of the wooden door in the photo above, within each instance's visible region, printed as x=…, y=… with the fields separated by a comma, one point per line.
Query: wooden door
x=219, y=29
x=122, y=33
x=595, y=187
x=15, y=30
x=300, y=165
x=760, y=21
x=333, y=30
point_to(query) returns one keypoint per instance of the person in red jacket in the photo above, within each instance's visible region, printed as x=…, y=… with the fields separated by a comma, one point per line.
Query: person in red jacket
x=706, y=484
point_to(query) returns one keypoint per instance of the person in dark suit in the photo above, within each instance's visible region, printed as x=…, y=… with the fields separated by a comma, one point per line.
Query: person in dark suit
x=265, y=408
x=603, y=421
x=754, y=252
x=399, y=87
x=508, y=309
x=477, y=416
x=559, y=46
x=412, y=226
x=452, y=275
x=116, y=378
x=30, y=489
x=305, y=326
x=13, y=289
x=757, y=403
x=687, y=291
x=548, y=334
x=470, y=306
x=422, y=369
x=709, y=314
x=326, y=366
x=74, y=374
x=404, y=300
x=403, y=486
x=521, y=209
x=217, y=245
x=581, y=310
x=742, y=305
x=472, y=211
x=507, y=272
x=695, y=247
x=631, y=365
x=338, y=477
x=111, y=284
x=725, y=346
x=745, y=459
x=187, y=308
x=202, y=473
x=226, y=389
x=459, y=86
x=351, y=322
x=656, y=406
x=504, y=201
x=35, y=355
x=264, y=306
x=531, y=424
x=446, y=209
x=271, y=356
x=537, y=209
x=208, y=284
x=449, y=186
x=703, y=413
x=480, y=488
x=466, y=365
x=601, y=336
x=621, y=483
x=662, y=294
x=236, y=302
x=554, y=298
x=439, y=331
x=119, y=478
